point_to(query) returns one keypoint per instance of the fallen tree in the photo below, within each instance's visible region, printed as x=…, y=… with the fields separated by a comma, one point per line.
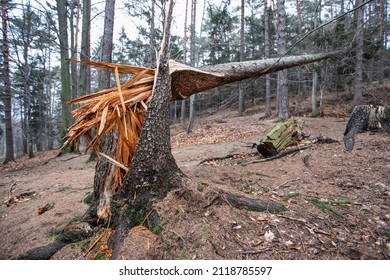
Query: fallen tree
x=137, y=110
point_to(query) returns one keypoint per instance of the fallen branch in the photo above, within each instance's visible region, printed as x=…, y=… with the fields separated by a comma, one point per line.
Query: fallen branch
x=219, y=158
x=288, y=181
x=285, y=153
x=253, y=204
x=253, y=252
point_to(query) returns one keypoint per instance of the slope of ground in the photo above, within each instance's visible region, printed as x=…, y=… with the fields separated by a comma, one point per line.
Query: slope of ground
x=338, y=203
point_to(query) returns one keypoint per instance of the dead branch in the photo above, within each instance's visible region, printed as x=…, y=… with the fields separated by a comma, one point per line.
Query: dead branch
x=285, y=153
x=218, y=158
x=253, y=204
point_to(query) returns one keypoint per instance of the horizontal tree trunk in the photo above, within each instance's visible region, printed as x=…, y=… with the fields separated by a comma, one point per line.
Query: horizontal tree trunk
x=187, y=80
x=284, y=134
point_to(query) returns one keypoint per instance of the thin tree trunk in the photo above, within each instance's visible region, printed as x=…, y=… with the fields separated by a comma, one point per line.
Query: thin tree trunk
x=266, y=53
x=282, y=90
x=65, y=74
x=85, y=71
x=9, y=155
x=314, y=111
x=105, y=171
x=381, y=75
x=241, y=107
x=358, y=96
x=183, y=102
x=192, y=62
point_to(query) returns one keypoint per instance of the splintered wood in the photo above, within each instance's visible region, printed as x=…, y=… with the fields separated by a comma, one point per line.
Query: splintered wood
x=120, y=109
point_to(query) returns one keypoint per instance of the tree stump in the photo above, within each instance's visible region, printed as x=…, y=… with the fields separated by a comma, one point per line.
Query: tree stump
x=284, y=134
x=366, y=118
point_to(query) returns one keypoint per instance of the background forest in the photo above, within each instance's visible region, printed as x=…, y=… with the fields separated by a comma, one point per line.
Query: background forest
x=36, y=82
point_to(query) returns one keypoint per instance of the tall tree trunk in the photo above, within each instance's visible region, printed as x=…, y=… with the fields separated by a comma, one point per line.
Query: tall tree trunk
x=183, y=102
x=299, y=16
x=381, y=75
x=73, y=45
x=105, y=171
x=282, y=90
x=314, y=111
x=358, y=96
x=85, y=71
x=241, y=100
x=266, y=54
x=65, y=74
x=192, y=63
x=153, y=172
x=26, y=80
x=9, y=140
x=107, y=44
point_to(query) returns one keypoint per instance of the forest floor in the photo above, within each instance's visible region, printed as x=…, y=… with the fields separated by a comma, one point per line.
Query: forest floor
x=338, y=204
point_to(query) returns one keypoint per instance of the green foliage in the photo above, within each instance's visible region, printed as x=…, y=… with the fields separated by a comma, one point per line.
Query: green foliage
x=157, y=229
x=325, y=206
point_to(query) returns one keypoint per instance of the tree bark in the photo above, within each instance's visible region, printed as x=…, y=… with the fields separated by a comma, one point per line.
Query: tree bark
x=183, y=102
x=153, y=172
x=65, y=74
x=266, y=53
x=85, y=72
x=314, y=111
x=363, y=118
x=103, y=182
x=192, y=63
x=241, y=100
x=282, y=90
x=9, y=155
x=358, y=96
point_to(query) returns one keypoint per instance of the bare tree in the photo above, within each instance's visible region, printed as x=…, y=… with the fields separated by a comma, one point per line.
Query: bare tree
x=282, y=89
x=358, y=96
x=183, y=102
x=85, y=72
x=241, y=100
x=266, y=54
x=65, y=71
x=192, y=62
x=9, y=155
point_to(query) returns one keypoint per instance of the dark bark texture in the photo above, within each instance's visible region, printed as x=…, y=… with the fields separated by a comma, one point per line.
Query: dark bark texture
x=153, y=172
x=9, y=155
x=363, y=118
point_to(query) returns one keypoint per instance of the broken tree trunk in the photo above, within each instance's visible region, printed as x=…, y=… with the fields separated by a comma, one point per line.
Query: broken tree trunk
x=187, y=81
x=363, y=118
x=284, y=134
x=121, y=109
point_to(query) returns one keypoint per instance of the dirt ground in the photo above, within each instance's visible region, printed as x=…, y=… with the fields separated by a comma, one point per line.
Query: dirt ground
x=338, y=206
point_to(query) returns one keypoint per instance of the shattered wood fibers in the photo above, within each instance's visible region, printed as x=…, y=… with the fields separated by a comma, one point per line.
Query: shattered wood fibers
x=120, y=109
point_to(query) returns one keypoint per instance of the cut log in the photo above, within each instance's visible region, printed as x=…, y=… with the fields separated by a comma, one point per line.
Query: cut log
x=284, y=134
x=253, y=204
x=366, y=118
